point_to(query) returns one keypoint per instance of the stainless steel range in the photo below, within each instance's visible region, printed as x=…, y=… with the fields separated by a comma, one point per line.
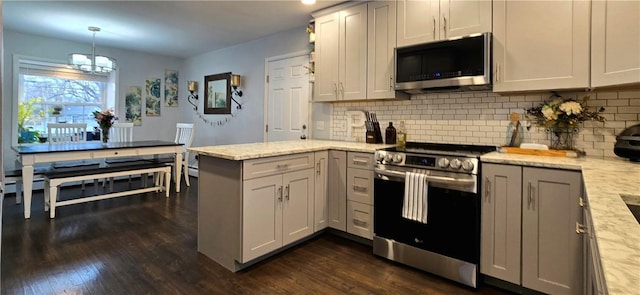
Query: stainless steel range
x=447, y=241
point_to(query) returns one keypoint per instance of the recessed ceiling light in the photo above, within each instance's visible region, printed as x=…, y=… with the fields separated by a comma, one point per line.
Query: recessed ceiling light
x=308, y=2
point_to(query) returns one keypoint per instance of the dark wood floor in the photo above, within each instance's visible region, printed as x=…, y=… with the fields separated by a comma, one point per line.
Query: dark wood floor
x=146, y=244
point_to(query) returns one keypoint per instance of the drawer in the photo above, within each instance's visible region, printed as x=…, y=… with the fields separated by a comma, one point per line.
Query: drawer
x=360, y=185
x=360, y=219
x=275, y=165
x=360, y=160
x=115, y=153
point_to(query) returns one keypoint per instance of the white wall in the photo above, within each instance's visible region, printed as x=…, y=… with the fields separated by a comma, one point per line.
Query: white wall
x=247, y=60
x=133, y=70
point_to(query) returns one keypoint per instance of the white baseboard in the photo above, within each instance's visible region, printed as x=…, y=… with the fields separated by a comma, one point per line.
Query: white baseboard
x=193, y=171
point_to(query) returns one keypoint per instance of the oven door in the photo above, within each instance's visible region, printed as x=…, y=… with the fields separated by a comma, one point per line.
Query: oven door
x=453, y=223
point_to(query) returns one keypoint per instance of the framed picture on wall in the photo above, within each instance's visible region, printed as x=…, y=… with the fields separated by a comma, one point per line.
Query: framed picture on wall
x=217, y=98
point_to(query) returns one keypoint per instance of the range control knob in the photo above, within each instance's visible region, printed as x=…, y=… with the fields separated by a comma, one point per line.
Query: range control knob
x=455, y=164
x=388, y=157
x=443, y=162
x=397, y=158
x=467, y=165
x=379, y=156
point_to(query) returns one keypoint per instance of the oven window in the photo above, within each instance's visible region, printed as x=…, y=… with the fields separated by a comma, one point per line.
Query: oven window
x=452, y=229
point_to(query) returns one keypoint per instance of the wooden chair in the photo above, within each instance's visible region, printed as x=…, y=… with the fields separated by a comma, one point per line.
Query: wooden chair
x=66, y=132
x=61, y=133
x=184, y=135
x=120, y=132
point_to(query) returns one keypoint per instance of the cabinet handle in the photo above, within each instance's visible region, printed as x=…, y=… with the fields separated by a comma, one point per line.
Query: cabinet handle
x=359, y=188
x=581, y=229
x=318, y=168
x=286, y=192
x=335, y=89
x=444, y=26
x=359, y=222
x=487, y=190
x=342, y=89
x=280, y=194
x=530, y=196
x=360, y=162
x=390, y=83
x=434, y=27
x=497, y=78
x=282, y=166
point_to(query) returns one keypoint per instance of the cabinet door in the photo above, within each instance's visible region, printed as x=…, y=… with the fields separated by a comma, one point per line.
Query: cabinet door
x=337, y=192
x=501, y=220
x=540, y=45
x=464, y=17
x=320, y=215
x=615, y=42
x=326, y=71
x=551, y=249
x=261, y=216
x=352, y=59
x=297, y=205
x=417, y=21
x=382, y=43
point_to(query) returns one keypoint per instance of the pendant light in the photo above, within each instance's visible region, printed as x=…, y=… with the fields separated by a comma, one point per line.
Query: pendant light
x=92, y=63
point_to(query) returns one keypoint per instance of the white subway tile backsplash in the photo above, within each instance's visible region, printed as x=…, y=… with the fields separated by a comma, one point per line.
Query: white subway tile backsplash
x=482, y=117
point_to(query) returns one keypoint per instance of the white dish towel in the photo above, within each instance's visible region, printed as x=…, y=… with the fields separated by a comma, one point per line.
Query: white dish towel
x=415, y=205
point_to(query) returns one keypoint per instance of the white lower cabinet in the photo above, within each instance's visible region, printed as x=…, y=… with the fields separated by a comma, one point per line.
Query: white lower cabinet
x=276, y=210
x=337, y=190
x=321, y=212
x=528, y=232
x=360, y=194
x=360, y=219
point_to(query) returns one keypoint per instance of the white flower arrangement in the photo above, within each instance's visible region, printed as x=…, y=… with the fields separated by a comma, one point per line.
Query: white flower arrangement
x=560, y=113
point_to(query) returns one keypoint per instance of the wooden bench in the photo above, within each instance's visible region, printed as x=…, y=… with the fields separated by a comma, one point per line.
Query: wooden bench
x=54, y=179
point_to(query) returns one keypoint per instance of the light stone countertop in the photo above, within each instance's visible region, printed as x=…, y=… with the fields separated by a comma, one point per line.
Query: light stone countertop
x=616, y=230
x=278, y=148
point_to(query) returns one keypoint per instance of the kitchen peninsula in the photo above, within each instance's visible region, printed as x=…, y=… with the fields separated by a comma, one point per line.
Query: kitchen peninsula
x=236, y=240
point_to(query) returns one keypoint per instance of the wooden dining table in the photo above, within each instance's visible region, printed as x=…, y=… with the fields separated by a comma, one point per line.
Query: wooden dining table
x=30, y=155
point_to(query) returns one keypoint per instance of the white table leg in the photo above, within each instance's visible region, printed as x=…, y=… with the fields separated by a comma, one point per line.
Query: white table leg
x=27, y=184
x=178, y=170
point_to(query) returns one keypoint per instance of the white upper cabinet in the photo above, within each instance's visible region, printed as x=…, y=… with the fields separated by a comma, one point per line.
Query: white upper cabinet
x=341, y=55
x=615, y=42
x=421, y=21
x=381, y=50
x=540, y=45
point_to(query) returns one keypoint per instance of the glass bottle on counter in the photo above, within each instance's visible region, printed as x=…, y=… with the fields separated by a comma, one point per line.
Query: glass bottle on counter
x=390, y=134
x=401, y=135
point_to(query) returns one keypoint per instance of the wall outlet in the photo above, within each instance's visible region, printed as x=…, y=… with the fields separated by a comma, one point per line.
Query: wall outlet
x=319, y=125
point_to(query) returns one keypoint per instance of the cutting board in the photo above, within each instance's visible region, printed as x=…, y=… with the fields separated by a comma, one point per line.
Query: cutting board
x=548, y=153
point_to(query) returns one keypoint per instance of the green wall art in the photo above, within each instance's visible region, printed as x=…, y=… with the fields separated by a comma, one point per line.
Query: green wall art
x=133, y=104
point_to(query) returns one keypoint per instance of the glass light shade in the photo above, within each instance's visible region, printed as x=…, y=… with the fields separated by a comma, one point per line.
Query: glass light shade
x=308, y=2
x=84, y=63
x=192, y=86
x=235, y=80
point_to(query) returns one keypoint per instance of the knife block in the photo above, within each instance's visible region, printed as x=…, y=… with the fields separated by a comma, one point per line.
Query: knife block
x=377, y=134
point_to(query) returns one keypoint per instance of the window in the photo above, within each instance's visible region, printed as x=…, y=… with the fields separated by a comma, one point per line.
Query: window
x=50, y=93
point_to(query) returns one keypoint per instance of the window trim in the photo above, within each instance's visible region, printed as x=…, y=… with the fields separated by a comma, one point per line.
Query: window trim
x=111, y=87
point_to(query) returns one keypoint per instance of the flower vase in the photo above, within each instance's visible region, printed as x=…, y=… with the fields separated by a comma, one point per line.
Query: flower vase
x=561, y=138
x=105, y=136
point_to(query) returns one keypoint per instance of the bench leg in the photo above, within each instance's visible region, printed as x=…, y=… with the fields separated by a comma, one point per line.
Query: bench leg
x=46, y=195
x=186, y=173
x=167, y=180
x=18, y=191
x=53, y=197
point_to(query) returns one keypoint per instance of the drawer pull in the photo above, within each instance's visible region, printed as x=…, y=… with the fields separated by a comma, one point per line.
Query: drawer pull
x=282, y=166
x=580, y=228
x=360, y=222
x=360, y=162
x=360, y=188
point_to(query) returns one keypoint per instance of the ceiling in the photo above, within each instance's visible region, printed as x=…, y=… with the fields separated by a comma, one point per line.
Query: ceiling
x=171, y=28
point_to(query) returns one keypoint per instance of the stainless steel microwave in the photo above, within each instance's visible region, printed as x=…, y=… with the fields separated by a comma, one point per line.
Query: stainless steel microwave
x=462, y=63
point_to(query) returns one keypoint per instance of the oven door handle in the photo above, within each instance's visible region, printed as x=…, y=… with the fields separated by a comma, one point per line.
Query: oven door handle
x=431, y=178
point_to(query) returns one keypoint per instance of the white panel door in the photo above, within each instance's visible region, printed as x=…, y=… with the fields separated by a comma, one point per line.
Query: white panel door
x=297, y=205
x=261, y=216
x=615, y=42
x=288, y=101
x=417, y=21
x=464, y=17
x=540, y=45
x=320, y=212
x=352, y=60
